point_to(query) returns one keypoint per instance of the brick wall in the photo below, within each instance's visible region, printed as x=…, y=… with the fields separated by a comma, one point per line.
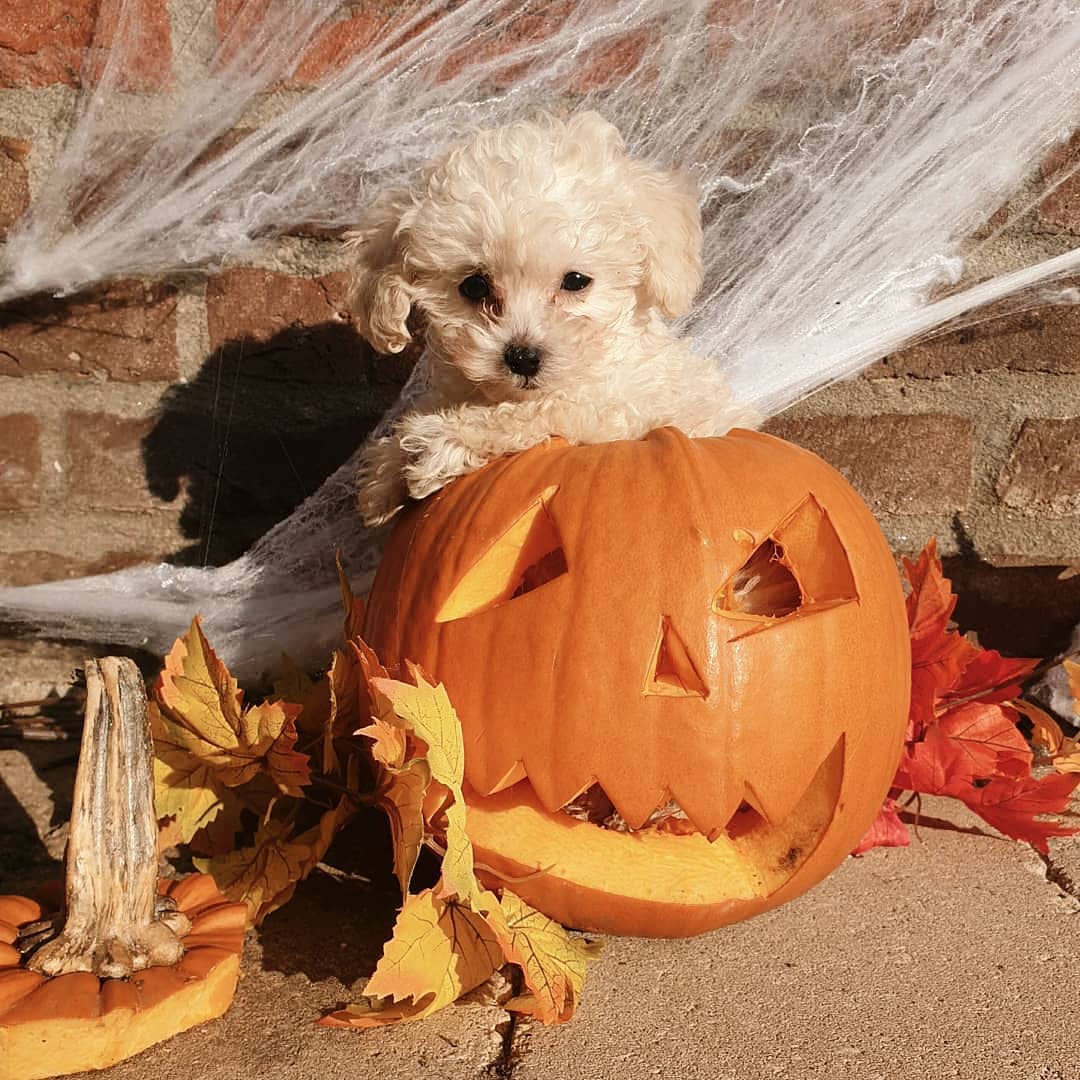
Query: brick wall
x=178, y=420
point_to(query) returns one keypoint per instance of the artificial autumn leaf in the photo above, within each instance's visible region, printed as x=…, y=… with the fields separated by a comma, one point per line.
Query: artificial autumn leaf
x=311, y=695
x=262, y=876
x=969, y=743
x=201, y=714
x=1046, y=733
x=1012, y=806
x=426, y=711
x=440, y=950
x=990, y=678
x=354, y=608
x=886, y=830
x=400, y=791
x=351, y=705
x=265, y=875
x=938, y=655
x=552, y=960
x=962, y=738
x=401, y=794
x=185, y=788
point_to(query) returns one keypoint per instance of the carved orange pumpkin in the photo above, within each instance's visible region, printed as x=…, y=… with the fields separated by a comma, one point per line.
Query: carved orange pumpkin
x=713, y=626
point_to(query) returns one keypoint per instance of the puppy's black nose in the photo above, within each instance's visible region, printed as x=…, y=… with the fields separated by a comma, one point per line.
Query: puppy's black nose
x=522, y=359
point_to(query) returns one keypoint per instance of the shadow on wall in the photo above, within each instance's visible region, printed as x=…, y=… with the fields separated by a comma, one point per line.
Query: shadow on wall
x=1020, y=610
x=260, y=428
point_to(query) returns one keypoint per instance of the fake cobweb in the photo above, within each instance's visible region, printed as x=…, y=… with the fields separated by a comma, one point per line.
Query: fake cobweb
x=845, y=154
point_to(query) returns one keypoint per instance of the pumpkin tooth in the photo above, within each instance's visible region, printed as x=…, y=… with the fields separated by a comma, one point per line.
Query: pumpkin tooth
x=775, y=801
x=556, y=787
x=713, y=813
x=635, y=806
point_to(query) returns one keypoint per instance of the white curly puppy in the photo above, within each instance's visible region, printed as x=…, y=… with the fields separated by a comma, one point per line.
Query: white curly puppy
x=541, y=263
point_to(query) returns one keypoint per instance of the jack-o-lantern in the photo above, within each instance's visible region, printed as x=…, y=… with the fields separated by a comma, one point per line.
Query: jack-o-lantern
x=706, y=637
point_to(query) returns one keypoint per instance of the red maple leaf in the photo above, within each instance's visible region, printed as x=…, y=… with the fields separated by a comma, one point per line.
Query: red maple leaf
x=886, y=830
x=962, y=738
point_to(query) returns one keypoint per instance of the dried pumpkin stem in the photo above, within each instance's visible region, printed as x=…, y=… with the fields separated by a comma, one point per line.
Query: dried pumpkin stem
x=116, y=923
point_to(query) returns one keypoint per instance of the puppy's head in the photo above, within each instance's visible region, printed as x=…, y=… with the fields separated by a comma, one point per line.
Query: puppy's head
x=533, y=253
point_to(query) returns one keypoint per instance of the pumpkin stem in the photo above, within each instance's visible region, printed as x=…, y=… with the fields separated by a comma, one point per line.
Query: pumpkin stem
x=116, y=924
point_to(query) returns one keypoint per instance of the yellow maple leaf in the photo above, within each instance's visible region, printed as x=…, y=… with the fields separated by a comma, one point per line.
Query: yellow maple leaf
x=440, y=950
x=351, y=703
x=426, y=711
x=185, y=788
x=265, y=875
x=389, y=743
x=552, y=960
x=201, y=717
x=400, y=793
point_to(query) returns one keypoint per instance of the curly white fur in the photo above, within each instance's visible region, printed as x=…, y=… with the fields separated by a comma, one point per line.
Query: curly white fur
x=522, y=207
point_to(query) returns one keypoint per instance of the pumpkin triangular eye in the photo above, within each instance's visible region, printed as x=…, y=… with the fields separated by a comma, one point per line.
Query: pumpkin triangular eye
x=800, y=566
x=763, y=585
x=529, y=554
x=671, y=671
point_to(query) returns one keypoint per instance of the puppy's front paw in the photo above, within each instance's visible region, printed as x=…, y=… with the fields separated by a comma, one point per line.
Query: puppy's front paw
x=381, y=482
x=435, y=454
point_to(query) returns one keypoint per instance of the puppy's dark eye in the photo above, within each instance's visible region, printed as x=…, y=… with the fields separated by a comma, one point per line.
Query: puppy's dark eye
x=575, y=282
x=475, y=287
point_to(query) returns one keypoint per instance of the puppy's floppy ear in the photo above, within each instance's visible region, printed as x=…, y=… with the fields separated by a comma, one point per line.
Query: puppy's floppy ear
x=380, y=296
x=671, y=232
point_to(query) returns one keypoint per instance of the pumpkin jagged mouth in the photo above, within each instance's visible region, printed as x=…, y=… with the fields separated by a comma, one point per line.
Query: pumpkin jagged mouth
x=775, y=849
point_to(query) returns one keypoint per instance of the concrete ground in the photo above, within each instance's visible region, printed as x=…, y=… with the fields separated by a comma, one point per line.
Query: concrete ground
x=956, y=957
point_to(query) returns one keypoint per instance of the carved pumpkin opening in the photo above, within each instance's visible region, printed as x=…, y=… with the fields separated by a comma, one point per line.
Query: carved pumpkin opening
x=529, y=554
x=801, y=567
x=671, y=671
x=763, y=585
x=744, y=821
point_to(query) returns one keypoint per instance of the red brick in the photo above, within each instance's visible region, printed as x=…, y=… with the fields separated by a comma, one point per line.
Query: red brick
x=330, y=49
x=256, y=305
x=125, y=332
x=1044, y=339
x=33, y=566
x=899, y=464
x=105, y=461
x=60, y=41
x=1061, y=206
x=14, y=182
x=20, y=461
x=1043, y=473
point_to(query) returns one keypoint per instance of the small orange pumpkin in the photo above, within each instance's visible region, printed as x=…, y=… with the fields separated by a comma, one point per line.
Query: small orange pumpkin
x=74, y=1022
x=714, y=626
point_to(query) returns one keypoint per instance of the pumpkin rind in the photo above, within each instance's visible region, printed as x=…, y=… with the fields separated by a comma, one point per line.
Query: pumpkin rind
x=551, y=680
x=76, y=1022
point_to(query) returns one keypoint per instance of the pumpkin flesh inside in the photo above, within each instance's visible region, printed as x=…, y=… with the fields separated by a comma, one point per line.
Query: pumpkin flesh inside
x=651, y=881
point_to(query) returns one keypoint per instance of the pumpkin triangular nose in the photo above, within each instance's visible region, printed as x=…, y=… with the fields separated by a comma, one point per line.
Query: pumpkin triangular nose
x=671, y=671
